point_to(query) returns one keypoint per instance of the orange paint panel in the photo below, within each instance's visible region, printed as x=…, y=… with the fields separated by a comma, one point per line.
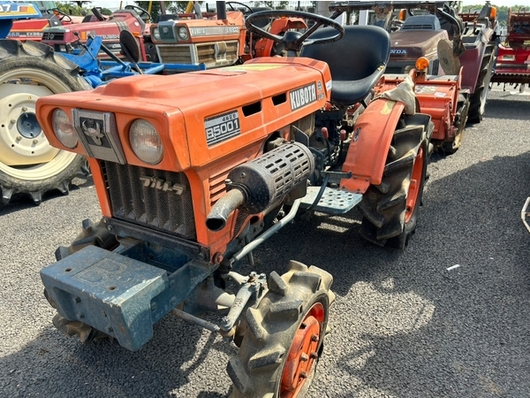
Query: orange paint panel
x=437, y=96
x=371, y=140
x=99, y=183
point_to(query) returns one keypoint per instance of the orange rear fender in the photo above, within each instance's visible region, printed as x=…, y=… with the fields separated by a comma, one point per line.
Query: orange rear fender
x=370, y=143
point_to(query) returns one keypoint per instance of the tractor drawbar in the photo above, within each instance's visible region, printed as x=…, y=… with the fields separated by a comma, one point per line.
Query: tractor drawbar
x=257, y=184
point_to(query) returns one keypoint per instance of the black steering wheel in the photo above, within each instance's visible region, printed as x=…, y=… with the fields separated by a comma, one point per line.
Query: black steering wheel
x=293, y=41
x=242, y=5
x=60, y=15
x=142, y=12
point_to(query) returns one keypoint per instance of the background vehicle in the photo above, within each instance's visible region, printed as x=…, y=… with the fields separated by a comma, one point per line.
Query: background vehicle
x=31, y=27
x=29, y=70
x=513, y=58
x=416, y=31
x=190, y=183
x=473, y=46
x=68, y=39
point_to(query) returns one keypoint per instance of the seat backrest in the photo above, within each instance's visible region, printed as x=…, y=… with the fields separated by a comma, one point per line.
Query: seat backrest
x=357, y=55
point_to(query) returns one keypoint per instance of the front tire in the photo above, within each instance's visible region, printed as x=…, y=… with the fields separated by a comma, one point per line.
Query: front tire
x=283, y=335
x=390, y=209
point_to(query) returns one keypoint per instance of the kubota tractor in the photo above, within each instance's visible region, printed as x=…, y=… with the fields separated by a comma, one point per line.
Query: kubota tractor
x=513, y=59
x=194, y=171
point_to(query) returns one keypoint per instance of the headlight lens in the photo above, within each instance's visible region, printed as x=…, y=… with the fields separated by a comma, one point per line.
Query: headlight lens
x=183, y=33
x=156, y=33
x=63, y=129
x=145, y=142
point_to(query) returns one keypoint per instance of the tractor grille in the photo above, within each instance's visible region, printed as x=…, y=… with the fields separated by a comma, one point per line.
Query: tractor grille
x=153, y=198
x=171, y=54
x=53, y=36
x=213, y=54
x=418, y=26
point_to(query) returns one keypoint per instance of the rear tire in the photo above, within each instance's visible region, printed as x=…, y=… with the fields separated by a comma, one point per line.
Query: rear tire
x=390, y=209
x=283, y=335
x=477, y=101
x=28, y=164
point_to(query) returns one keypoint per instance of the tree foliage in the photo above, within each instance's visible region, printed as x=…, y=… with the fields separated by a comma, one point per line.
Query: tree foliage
x=70, y=9
x=171, y=7
x=78, y=8
x=278, y=5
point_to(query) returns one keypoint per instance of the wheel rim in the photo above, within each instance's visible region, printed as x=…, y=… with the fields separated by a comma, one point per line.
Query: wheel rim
x=415, y=185
x=25, y=153
x=303, y=353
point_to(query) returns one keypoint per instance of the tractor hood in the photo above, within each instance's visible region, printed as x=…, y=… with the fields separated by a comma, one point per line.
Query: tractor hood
x=412, y=44
x=200, y=117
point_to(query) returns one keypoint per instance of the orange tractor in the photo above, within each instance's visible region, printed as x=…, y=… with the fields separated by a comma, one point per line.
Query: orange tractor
x=194, y=171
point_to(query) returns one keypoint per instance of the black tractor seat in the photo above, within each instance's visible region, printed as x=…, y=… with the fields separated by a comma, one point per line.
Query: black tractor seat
x=357, y=61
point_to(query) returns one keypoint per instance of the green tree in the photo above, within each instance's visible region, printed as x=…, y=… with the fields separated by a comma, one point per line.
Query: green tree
x=69, y=9
x=275, y=5
x=173, y=7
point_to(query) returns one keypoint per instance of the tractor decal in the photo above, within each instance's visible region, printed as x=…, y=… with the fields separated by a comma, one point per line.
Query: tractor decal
x=303, y=96
x=222, y=127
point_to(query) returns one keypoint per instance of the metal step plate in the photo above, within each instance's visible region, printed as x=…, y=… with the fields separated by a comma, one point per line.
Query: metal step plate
x=333, y=201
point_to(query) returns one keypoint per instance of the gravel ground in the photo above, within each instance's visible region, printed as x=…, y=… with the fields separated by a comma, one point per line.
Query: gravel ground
x=449, y=317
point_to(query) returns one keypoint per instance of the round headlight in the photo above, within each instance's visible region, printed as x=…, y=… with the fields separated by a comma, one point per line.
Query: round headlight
x=63, y=129
x=183, y=33
x=156, y=33
x=145, y=142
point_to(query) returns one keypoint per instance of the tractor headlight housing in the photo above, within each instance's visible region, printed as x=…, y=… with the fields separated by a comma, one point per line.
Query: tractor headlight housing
x=64, y=129
x=183, y=33
x=145, y=142
x=155, y=32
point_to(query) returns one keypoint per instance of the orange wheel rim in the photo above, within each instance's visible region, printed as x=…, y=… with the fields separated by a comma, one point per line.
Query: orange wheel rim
x=415, y=185
x=303, y=353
